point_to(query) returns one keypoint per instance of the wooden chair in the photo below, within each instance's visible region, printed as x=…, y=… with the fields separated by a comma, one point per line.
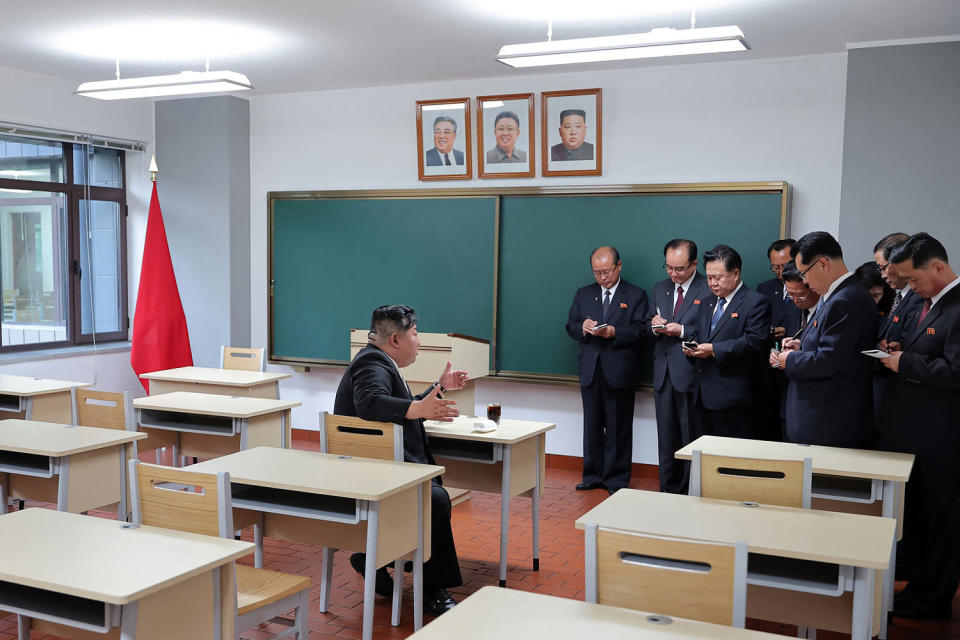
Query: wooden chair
x=670, y=576
x=104, y=409
x=242, y=358
x=778, y=482
x=261, y=595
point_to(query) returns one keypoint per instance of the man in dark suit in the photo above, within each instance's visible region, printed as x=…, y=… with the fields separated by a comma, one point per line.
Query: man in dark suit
x=573, y=131
x=732, y=331
x=920, y=409
x=783, y=313
x=830, y=394
x=677, y=302
x=444, y=135
x=607, y=319
x=373, y=389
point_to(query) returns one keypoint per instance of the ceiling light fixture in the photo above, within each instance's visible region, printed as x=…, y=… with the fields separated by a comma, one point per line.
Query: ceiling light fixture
x=183, y=83
x=654, y=44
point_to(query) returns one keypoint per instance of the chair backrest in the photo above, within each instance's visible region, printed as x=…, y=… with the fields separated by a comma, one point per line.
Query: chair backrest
x=778, y=482
x=104, y=409
x=345, y=435
x=684, y=578
x=179, y=499
x=242, y=358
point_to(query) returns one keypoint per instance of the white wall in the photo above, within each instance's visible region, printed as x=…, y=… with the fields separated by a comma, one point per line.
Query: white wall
x=764, y=120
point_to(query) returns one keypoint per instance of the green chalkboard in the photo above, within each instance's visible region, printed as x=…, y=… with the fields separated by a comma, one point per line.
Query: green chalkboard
x=332, y=261
x=545, y=245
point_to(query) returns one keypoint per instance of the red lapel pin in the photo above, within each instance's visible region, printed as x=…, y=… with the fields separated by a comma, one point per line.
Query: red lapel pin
x=696, y=302
x=734, y=315
x=931, y=331
x=623, y=305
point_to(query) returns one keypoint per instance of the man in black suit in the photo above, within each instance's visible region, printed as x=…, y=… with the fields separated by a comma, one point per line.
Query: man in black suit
x=920, y=409
x=677, y=302
x=607, y=319
x=732, y=332
x=373, y=389
x=830, y=394
x=783, y=313
x=444, y=136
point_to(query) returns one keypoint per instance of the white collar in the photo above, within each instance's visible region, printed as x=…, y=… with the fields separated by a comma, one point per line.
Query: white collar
x=686, y=283
x=612, y=290
x=943, y=291
x=729, y=297
x=833, y=285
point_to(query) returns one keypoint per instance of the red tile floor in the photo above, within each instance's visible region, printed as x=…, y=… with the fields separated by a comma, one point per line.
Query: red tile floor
x=476, y=527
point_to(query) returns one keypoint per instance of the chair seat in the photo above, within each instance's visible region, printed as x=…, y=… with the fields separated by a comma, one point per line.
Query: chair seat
x=259, y=587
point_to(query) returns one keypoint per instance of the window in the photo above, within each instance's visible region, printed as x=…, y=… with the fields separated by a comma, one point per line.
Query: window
x=62, y=243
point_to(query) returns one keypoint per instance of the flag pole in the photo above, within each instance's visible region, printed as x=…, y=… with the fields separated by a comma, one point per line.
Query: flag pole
x=153, y=168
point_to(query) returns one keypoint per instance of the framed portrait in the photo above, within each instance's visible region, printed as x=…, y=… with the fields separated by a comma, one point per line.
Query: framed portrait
x=505, y=139
x=571, y=140
x=443, y=139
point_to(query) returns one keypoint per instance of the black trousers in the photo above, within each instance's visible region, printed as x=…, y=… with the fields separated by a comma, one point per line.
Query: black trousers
x=673, y=432
x=735, y=422
x=607, y=432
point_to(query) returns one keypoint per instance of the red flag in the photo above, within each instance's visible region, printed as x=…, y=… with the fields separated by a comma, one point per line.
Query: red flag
x=160, y=339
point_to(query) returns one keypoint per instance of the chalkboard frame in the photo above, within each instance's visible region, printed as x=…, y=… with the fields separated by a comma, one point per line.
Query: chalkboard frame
x=780, y=187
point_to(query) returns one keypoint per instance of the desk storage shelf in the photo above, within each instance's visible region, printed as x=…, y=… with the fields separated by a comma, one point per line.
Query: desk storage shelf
x=466, y=450
x=808, y=576
x=192, y=422
x=83, y=613
x=865, y=490
x=12, y=403
x=298, y=503
x=27, y=464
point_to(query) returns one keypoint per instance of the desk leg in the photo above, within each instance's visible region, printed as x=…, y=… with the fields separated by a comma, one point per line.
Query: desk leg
x=258, y=541
x=4, y=478
x=863, y=594
x=891, y=497
x=426, y=491
x=370, y=571
x=535, y=503
x=504, y=514
x=122, y=503
x=63, y=483
x=590, y=563
x=128, y=621
x=326, y=578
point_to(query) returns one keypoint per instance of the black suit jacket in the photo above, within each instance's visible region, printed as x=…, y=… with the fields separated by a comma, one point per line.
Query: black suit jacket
x=922, y=401
x=667, y=354
x=618, y=357
x=372, y=389
x=893, y=325
x=783, y=313
x=830, y=395
x=729, y=379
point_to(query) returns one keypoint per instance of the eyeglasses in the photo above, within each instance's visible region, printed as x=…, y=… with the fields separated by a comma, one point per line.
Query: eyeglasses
x=605, y=273
x=882, y=267
x=670, y=269
x=803, y=274
x=777, y=268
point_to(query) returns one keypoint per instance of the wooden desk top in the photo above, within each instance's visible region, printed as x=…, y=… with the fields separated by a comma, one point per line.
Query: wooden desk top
x=226, y=377
x=213, y=405
x=320, y=473
x=834, y=461
x=51, y=439
x=28, y=386
x=509, y=431
x=507, y=614
x=97, y=558
x=806, y=534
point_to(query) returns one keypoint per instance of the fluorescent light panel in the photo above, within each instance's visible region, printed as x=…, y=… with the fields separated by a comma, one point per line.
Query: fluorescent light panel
x=656, y=43
x=183, y=83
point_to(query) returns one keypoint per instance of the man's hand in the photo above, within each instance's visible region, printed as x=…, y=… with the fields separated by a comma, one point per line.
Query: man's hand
x=588, y=326
x=779, y=333
x=790, y=345
x=774, y=359
x=453, y=380
x=782, y=357
x=704, y=350
x=607, y=332
x=893, y=346
x=432, y=407
x=672, y=329
x=657, y=319
x=893, y=362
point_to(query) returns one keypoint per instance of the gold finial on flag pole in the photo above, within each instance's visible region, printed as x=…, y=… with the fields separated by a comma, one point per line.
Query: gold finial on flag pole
x=153, y=168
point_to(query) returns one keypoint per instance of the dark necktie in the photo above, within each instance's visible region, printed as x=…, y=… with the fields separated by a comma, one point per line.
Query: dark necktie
x=676, y=307
x=924, y=312
x=804, y=318
x=897, y=299
x=606, y=304
x=721, y=303
x=446, y=159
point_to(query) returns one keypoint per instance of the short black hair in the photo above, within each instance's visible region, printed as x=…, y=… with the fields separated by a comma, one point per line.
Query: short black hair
x=921, y=248
x=444, y=119
x=728, y=255
x=790, y=273
x=390, y=319
x=780, y=245
x=886, y=242
x=572, y=112
x=816, y=244
x=616, y=254
x=676, y=243
x=507, y=114
x=869, y=275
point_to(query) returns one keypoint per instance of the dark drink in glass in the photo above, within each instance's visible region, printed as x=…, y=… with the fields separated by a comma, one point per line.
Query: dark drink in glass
x=493, y=412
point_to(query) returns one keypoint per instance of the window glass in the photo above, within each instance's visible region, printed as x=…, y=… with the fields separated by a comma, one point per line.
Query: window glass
x=99, y=267
x=102, y=165
x=29, y=159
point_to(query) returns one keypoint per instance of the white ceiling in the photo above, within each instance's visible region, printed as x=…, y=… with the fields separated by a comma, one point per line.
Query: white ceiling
x=288, y=46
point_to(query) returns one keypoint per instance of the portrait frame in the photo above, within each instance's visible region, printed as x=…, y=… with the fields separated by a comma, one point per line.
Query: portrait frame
x=520, y=104
x=590, y=101
x=431, y=168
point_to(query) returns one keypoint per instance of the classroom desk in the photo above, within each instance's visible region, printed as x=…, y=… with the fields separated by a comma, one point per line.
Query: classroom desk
x=224, y=382
x=90, y=574
x=38, y=398
x=78, y=468
x=847, y=480
x=522, y=615
x=508, y=461
x=381, y=507
x=784, y=546
x=205, y=425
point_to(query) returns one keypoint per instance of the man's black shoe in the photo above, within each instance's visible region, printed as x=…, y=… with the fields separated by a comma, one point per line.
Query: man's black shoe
x=384, y=583
x=586, y=486
x=438, y=602
x=613, y=490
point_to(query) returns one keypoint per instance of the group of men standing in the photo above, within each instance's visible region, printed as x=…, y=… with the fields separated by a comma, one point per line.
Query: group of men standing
x=786, y=361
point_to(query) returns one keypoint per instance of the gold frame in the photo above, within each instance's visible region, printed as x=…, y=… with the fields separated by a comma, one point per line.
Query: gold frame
x=468, y=136
x=779, y=186
x=545, y=139
x=531, y=125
